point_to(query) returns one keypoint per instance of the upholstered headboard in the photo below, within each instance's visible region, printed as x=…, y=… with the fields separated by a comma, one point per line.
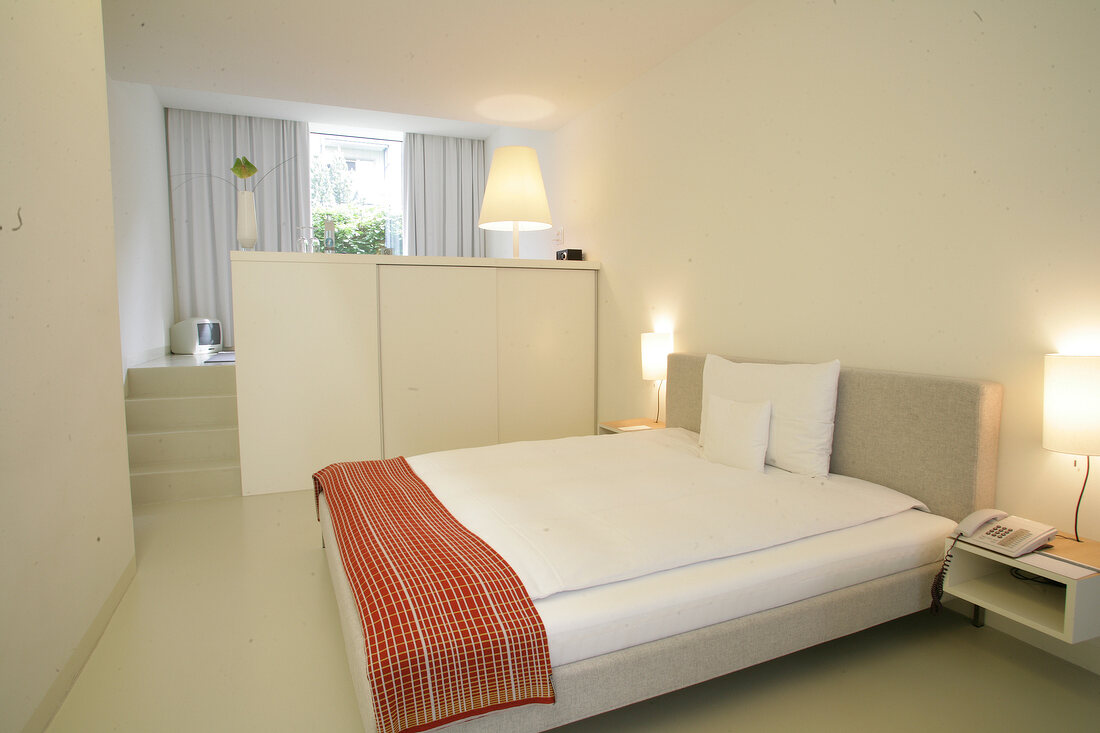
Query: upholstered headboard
x=934, y=438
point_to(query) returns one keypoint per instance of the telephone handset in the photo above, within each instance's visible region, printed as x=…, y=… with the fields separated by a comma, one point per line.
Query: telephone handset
x=995, y=530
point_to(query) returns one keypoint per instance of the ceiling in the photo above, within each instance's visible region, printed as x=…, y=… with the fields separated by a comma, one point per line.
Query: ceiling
x=522, y=63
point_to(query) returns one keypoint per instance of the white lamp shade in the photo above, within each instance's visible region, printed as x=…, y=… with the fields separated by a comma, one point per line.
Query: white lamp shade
x=514, y=192
x=246, y=219
x=1071, y=404
x=655, y=350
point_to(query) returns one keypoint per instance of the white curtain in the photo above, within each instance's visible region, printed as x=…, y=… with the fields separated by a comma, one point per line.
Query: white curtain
x=201, y=149
x=444, y=184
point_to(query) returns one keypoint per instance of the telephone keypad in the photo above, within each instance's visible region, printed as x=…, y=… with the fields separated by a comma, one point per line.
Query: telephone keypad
x=998, y=531
x=1006, y=536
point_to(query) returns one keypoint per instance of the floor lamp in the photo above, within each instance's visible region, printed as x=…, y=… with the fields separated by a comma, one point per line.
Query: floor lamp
x=515, y=198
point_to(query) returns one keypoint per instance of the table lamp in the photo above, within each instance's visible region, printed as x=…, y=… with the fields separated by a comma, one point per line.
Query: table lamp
x=655, y=350
x=515, y=198
x=1071, y=410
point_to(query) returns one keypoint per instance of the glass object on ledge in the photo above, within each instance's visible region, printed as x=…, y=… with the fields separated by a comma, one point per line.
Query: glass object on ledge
x=306, y=241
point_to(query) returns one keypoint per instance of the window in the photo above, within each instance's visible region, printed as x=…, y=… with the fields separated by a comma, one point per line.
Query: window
x=357, y=182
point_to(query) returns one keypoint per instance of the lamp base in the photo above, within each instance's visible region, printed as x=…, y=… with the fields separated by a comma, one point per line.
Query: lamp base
x=515, y=240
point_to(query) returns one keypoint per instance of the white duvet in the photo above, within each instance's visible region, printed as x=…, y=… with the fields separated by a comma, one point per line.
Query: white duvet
x=580, y=512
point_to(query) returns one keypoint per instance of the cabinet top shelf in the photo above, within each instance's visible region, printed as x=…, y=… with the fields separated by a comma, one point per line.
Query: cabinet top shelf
x=328, y=259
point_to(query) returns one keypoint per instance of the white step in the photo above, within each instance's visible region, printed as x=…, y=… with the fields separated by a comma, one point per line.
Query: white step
x=184, y=381
x=181, y=481
x=181, y=426
x=151, y=414
x=177, y=446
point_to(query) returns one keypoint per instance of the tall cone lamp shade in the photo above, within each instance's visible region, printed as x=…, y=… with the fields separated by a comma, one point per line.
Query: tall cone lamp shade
x=515, y=197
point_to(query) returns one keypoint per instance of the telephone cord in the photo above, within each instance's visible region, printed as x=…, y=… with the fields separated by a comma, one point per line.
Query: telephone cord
x=937, y=582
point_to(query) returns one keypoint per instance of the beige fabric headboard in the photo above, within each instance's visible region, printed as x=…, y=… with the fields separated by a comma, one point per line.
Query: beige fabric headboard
x=933, y=438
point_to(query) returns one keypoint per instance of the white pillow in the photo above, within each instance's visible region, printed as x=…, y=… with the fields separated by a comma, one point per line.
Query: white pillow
x=737, y=433
x=803, y=398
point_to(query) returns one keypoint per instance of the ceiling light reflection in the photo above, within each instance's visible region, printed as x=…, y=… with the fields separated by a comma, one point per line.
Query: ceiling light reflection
x=515, y=108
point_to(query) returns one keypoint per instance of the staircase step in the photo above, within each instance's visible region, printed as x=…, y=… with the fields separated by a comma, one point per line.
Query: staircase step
x=199, y=444
x=183, y=381
x=182, y=433
x=152, y=483
x=151, y=414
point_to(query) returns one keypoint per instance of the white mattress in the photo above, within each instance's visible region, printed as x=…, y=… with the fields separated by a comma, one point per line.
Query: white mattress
x=594, y=621
x=587, y=511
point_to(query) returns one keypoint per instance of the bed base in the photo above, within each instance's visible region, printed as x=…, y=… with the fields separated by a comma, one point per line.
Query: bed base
x=609, y=681
x=593, y=686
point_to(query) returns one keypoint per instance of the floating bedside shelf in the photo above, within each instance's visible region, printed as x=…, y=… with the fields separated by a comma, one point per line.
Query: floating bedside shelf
x=630, y=425
x=1067, y=609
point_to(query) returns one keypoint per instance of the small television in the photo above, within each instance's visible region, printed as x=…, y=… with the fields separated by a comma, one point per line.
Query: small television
x=197, y=336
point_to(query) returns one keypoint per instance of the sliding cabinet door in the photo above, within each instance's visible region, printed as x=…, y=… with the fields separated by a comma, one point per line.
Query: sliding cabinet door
x=547, y=339
x=438, y=343
x=307, y=369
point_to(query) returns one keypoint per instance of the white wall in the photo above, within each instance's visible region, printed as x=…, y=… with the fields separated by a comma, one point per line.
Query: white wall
x=907, y=186
x=143, y=238
x=66, y=534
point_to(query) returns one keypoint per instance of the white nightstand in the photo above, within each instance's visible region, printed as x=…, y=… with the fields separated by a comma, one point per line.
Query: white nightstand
x=1068, y=610
x=634, y=424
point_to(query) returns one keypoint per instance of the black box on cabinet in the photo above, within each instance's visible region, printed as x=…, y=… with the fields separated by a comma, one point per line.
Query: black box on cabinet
x=570, y=254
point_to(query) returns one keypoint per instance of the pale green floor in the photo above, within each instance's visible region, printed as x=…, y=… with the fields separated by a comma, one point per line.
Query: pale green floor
x=231, y=625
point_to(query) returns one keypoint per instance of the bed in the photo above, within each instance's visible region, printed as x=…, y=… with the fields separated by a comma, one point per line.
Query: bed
x=931, y=438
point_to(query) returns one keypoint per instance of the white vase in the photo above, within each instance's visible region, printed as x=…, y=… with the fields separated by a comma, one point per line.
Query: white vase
x=246, y=219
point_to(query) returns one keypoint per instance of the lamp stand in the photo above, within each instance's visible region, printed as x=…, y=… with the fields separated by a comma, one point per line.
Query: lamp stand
x=660, y=383
x=515, y=240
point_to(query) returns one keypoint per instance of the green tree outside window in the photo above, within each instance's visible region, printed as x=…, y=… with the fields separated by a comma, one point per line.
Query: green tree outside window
x=360, y=228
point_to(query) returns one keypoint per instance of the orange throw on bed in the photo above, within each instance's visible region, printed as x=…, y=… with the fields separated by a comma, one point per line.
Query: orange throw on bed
x=451, y=632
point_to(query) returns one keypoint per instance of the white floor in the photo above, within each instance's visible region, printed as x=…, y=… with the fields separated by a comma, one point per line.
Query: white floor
x=230, y=625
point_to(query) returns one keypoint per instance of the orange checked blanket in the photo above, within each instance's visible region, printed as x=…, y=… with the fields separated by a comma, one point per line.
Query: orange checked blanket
x=450, y=630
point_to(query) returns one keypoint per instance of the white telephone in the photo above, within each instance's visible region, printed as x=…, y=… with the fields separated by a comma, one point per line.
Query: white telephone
x=995, y=530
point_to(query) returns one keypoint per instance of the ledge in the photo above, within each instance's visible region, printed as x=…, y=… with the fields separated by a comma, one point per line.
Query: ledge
x=329, y=259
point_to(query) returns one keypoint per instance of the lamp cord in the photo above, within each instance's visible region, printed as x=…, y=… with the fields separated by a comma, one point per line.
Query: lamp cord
x=660, y=383
x=1081, y=496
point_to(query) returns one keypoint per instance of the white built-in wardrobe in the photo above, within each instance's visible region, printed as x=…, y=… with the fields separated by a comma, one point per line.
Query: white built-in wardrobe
x=350, y=357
